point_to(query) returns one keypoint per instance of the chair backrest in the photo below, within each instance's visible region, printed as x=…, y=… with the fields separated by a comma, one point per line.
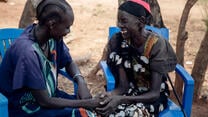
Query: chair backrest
x=7, y=36
x=164, y=32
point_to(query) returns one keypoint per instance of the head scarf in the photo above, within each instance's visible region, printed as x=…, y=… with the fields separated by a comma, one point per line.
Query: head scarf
x=137, y=8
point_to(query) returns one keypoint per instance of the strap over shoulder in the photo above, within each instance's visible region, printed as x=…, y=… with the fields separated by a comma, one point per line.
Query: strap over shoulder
x=149, y=44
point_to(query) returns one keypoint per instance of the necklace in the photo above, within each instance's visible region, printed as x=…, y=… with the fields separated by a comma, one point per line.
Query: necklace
x=44, y=46
x=45, y=49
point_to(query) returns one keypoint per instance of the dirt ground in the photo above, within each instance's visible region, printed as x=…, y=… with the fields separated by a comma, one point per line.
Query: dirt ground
x=90, y=31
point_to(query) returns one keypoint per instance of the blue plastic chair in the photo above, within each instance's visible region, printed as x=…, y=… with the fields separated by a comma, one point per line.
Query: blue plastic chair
x=172, y=110
x=7, y=36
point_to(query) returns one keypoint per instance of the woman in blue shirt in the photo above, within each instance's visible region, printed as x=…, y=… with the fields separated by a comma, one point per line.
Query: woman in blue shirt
x=29, y=68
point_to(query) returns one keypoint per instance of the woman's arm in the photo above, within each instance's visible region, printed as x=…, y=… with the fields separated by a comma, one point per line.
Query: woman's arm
x=151, y=95
x=123, y=83
x=73, y=70
x=110, y=103
x=41, y=96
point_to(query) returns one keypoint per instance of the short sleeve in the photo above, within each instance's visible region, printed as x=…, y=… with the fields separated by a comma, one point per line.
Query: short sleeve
x=162, y=57
x=64, y=56
x=28, y=72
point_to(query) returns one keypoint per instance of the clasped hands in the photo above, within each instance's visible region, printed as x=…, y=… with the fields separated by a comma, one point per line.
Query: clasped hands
x=107, y=104
x=104, y=103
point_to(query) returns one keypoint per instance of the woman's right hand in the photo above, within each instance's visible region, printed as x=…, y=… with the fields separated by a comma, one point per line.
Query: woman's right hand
x=103, y=95
x=96, y=102
x=108, y=105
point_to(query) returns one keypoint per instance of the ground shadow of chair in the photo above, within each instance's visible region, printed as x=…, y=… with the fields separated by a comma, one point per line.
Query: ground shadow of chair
x=173, y=110
x=7, y=36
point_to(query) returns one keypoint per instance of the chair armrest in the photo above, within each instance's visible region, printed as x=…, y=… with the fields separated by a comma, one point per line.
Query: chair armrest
x=110, y=80
x=188, y=89
x=65, y=74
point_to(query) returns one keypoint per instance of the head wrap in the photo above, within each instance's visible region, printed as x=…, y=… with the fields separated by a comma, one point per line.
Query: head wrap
x=137, y=8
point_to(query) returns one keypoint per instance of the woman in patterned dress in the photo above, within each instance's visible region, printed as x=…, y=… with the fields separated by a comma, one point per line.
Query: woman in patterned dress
x=140, y=61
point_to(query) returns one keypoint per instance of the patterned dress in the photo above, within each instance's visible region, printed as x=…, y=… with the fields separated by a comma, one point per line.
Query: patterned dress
x=155, y=55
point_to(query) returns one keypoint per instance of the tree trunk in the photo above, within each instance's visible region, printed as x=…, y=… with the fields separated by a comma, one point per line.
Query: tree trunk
x=200, y=66
x=157, y=21
x=120, y=2
x=181, y=39
x=28, y=15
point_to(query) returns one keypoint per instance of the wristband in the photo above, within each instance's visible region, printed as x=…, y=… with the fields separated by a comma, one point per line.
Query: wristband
x=74, y=77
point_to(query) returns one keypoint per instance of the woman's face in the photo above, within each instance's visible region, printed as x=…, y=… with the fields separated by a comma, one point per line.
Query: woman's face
x=128, y=24
x=62, y=28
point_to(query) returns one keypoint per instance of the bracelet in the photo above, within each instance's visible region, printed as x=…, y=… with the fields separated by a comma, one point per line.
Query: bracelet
x=74, y=77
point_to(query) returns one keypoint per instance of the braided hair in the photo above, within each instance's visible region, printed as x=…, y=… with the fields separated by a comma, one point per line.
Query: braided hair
x=51, y=9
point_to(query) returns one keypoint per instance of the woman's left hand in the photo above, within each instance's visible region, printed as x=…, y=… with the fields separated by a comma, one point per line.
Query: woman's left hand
x=109, y=105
